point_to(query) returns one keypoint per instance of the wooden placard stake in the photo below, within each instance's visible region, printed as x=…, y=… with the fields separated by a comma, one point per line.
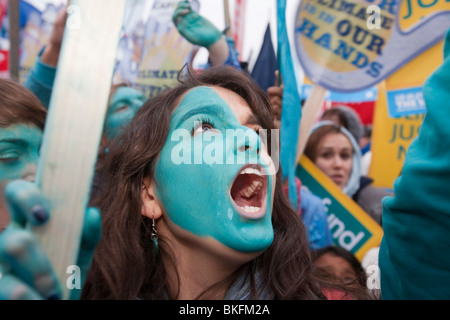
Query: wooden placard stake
x=309, y=115
x=14, y=39
x=74, y=125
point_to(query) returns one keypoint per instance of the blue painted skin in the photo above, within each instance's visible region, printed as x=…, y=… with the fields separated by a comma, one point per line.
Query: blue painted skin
x=193, y=27
x=19, y=149
x=26, y=272
x=124, y=105
x=201, y=203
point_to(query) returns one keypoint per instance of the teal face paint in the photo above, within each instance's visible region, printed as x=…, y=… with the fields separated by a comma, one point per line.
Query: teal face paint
x=215, y=199
x=124, y=105
x=19, y=149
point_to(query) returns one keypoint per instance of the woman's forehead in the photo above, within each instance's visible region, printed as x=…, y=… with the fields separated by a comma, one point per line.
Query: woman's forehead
x=227, y=99
x=332, y=138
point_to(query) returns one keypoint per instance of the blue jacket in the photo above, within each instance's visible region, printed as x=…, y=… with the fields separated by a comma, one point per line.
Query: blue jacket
x=314, y=217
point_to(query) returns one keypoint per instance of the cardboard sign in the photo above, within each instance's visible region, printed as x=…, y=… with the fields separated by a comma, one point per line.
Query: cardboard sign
x=405, y=102
x=351, y=45
x=351, y=227
x=392, y=136
x=36, y=27
x=151, y=50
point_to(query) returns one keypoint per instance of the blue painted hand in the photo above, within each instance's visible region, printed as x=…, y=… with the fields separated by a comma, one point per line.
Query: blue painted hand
x=26, y=272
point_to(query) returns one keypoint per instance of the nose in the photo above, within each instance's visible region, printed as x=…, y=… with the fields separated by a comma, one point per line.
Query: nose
x=337, y=161
x=248, y=144
x=249, y=141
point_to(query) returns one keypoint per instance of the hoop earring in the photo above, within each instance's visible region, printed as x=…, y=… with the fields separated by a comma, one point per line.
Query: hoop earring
x=154, y=237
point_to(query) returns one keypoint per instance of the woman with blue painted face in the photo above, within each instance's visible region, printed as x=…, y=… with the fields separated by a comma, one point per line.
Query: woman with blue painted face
x=183, y=218
x=192, y=208
x=22, y=119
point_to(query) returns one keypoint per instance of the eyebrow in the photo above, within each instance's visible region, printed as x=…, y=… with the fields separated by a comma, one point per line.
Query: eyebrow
x=15, y=141
x=211, y=110
x=252, y=119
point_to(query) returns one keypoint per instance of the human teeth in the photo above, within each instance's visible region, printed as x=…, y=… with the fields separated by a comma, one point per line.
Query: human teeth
x=251, y=171
x=251, y=209
x=256, y=185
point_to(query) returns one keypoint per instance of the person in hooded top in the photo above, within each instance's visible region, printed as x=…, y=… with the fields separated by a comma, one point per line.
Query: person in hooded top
x=349, y=119
x=335, y=151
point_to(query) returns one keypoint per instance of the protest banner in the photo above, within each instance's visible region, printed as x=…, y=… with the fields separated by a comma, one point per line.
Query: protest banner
x=291, y=115
x=397, y=121
x=350, y=45
x=351, y=227
x=151, y=50
x=36, y=24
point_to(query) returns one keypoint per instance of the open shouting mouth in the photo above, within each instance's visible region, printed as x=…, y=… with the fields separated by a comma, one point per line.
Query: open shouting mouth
x=249, y=192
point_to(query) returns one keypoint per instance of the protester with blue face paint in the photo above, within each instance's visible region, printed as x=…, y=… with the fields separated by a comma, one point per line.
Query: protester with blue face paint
x=22, y=119
x=213, y=220
x=141, y=254
x=123, y=104
x=183, y=218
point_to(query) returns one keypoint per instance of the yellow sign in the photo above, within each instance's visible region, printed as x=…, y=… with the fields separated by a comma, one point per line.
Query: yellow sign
x=351, y=227
x=352, y=45
x=391, y=137
x=412, y=12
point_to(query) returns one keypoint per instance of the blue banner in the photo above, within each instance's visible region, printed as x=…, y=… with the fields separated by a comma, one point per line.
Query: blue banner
x=291, y=112
x=405, y=102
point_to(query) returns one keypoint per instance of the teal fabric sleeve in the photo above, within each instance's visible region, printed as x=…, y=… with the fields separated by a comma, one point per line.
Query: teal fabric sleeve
x=40, y=81
x=414, y=256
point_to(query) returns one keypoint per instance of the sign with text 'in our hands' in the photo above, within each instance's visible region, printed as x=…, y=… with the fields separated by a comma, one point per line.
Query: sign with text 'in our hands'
x=352, y=45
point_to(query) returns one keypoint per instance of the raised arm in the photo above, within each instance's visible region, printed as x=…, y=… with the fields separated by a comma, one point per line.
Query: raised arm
x=42, y=76
x=200, y=31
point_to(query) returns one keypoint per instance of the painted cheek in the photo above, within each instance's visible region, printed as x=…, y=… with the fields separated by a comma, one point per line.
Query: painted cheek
x=136, y=104
x=196, y=197
x=117, y=122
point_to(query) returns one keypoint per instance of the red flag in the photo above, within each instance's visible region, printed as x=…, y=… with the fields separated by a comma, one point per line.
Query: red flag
x=238, y=29
x=3, y=7
x=4, y=64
